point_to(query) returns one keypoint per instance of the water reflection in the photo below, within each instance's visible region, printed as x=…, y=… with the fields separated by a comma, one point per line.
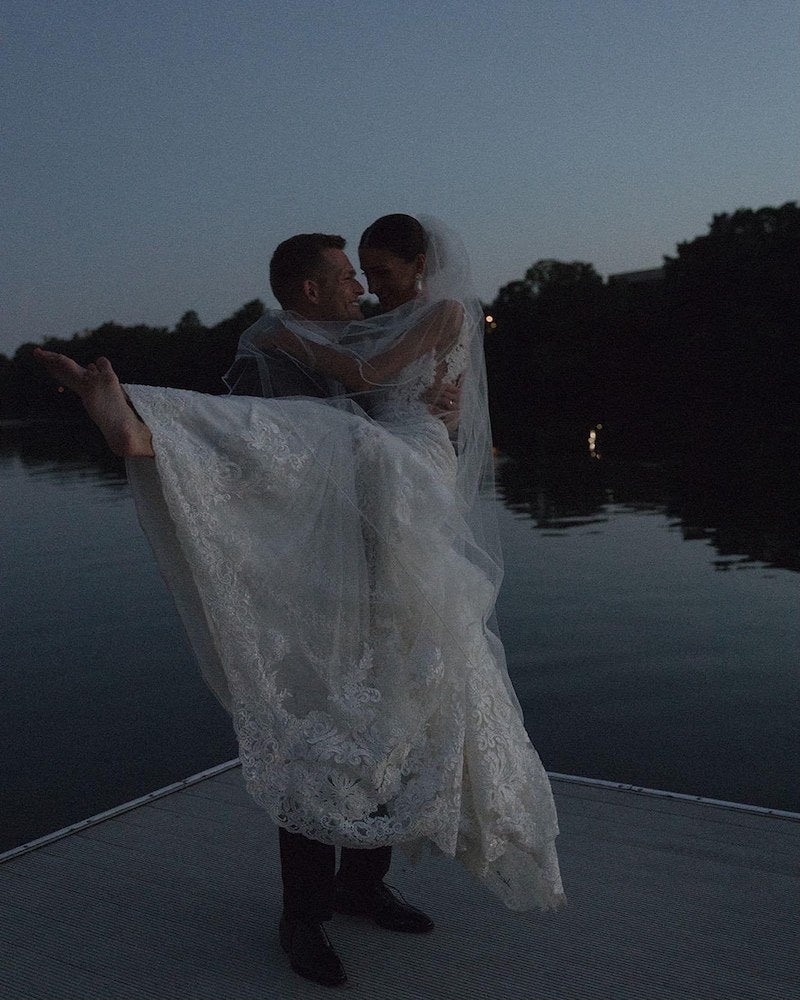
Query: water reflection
x=632, y=661
x=62, y=450
x=737, y=489
x=101, y=700
x=743, y=499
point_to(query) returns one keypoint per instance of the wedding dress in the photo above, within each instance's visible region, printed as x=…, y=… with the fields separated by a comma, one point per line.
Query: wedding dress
x=332, y=571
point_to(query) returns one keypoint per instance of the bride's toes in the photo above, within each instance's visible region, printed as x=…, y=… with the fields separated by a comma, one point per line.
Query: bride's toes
x=62, y=368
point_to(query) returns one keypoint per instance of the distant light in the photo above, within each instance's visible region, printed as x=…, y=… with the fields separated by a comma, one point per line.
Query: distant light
x=490, y=319
x=60, y=388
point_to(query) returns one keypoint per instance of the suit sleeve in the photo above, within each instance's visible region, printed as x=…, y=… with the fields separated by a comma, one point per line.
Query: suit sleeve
x=276, y=375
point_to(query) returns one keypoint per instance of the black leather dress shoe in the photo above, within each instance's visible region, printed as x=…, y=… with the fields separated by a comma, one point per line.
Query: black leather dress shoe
x=380, y=904
x=310, y=952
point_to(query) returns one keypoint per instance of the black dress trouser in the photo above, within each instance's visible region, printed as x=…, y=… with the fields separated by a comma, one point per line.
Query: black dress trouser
x=308, y=867
x=309, y=874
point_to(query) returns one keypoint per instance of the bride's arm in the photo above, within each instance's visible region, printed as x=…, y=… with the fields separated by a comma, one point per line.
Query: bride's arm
x=436, y=331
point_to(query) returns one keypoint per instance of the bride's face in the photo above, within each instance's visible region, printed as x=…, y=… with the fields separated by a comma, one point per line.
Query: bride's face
x=390, y=277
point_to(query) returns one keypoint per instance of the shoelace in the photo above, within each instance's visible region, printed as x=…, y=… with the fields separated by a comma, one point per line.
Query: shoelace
x=390, y=890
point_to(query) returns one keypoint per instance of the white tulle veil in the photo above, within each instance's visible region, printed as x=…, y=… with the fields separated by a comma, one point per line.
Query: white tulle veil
x=447, y=279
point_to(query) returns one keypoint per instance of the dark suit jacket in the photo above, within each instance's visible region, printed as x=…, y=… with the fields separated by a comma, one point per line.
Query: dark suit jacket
x=286, y=377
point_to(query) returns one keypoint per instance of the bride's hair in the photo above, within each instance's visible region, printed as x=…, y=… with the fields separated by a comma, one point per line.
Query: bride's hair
x=400, y=234
x=296, y=259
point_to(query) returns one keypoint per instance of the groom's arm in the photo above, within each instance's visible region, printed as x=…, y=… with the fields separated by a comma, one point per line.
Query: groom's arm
x=435, y=331
x=278, y=375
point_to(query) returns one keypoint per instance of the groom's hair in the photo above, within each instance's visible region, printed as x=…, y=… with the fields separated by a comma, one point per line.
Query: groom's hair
x=295, y=260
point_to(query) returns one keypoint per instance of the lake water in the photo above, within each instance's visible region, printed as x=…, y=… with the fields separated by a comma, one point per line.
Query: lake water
x=649, y=613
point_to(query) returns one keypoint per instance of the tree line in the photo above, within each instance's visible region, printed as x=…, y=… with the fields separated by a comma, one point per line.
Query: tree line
x=712, y=336
x=188, y=356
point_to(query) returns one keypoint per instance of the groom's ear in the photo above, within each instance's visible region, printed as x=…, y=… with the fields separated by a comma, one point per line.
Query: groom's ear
x=311, y=290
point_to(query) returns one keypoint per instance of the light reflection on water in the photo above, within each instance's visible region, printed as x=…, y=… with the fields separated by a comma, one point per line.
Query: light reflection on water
x=639, y=647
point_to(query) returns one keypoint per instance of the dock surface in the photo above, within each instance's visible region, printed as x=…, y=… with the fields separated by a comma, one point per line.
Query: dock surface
x=178, y=898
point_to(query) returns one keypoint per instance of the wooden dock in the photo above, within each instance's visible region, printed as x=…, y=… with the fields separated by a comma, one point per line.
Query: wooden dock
x=177, y=896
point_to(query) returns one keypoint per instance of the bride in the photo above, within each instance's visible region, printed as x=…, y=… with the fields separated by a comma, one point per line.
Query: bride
x=336, y=565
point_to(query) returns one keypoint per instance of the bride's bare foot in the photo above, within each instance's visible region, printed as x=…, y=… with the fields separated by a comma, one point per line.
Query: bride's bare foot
x=103, y=399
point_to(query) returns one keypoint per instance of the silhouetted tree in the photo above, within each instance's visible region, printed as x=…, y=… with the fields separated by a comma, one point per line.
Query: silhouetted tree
x=541, y=354
x=190, y=357
x=188, y=323
x=733, y=298
x=714, y=341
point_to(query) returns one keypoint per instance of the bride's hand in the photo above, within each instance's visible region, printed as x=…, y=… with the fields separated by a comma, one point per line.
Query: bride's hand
x=444, y=398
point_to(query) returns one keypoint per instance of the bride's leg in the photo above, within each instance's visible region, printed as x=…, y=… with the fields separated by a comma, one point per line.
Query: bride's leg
x=104, y=400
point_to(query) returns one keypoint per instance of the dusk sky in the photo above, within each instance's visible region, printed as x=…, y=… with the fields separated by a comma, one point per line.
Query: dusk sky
x=154, y=153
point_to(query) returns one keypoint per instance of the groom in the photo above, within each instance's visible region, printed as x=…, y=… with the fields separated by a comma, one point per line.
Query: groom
x=311, y=275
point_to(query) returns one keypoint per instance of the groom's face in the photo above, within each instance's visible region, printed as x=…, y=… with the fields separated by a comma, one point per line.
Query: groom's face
x=338, y=290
